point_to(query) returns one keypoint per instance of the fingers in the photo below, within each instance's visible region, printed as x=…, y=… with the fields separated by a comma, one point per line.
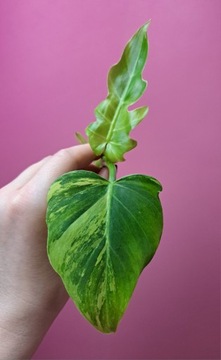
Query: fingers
x=104, y=172
x=73, y=158
x=37, y=178
x=26, y=175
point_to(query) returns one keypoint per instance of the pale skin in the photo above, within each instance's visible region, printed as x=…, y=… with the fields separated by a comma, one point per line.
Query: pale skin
x=31, y=293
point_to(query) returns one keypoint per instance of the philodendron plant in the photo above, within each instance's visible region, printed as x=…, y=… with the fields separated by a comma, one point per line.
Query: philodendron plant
x=102, y=233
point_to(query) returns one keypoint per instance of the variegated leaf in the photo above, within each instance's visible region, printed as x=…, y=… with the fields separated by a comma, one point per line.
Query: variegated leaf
x=109, y=134
x=101, y=235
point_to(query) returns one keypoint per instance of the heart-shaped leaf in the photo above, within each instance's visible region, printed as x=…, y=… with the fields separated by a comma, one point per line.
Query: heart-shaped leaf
x=109, y=134
x=101, y=234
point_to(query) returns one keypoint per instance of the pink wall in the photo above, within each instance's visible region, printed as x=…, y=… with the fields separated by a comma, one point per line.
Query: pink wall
x=54, y=57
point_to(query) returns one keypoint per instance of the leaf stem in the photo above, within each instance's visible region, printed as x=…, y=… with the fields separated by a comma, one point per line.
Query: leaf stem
x=112, y=171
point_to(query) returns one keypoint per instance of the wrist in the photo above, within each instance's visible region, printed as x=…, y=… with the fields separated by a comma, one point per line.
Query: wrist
x=22, y=327
x=21, y=331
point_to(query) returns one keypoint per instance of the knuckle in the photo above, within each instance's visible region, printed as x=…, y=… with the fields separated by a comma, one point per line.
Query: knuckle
x=63, y=153
x=17, y=204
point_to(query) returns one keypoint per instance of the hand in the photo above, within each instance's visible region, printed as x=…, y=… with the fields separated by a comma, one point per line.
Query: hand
x=31, y=293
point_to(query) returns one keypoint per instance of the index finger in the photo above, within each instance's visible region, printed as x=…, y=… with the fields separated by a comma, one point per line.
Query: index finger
x=65, y=160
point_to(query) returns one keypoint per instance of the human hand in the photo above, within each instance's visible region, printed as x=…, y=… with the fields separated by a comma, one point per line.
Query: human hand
x=31, y=293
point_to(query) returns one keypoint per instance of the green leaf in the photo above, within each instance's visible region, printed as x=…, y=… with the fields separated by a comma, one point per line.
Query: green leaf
x=101, y=235
x=109, y=134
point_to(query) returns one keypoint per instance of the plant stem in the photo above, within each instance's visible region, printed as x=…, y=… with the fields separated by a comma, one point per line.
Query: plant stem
x=112, y=171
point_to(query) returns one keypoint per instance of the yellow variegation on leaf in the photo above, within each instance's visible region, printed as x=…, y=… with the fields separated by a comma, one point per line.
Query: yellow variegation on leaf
x=109, y=134
x=101, y=235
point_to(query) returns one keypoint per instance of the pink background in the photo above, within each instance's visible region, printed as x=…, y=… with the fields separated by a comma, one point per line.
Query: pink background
x=54, y=58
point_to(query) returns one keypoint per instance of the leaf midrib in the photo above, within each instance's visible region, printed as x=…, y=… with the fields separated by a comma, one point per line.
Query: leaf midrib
x=107, y=243
x=109, y=134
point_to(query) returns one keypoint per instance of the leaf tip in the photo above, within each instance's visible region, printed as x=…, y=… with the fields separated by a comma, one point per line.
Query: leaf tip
x=147, y=24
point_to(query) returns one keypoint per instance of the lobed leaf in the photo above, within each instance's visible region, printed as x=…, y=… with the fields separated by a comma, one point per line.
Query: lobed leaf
x=109, y=134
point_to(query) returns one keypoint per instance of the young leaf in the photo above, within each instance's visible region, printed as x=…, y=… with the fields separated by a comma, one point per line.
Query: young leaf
x=101, y=235
x=109, y=134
